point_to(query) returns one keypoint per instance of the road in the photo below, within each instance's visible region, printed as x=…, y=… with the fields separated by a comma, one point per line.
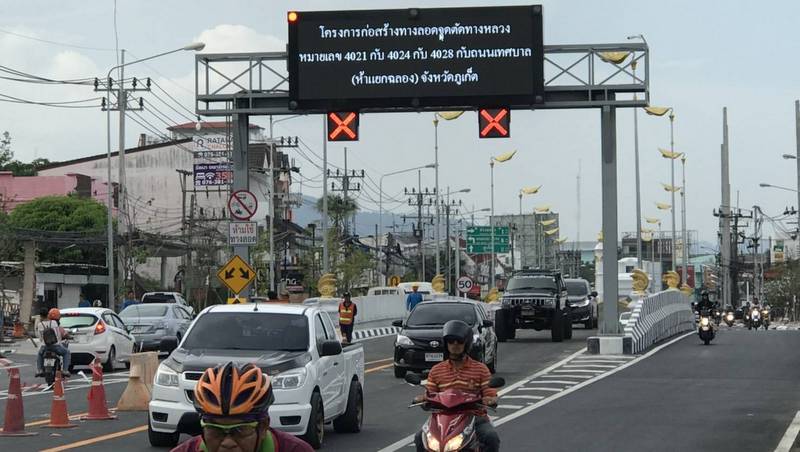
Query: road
x=739, y=393
x=387, y=418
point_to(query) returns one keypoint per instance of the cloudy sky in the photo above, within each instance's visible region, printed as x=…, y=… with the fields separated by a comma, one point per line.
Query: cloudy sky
x=704, y=56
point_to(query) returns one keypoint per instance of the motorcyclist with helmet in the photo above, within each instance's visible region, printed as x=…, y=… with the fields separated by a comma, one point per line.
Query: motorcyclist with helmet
x=233, y=403
x=705, y=303
x=49, y=331
x=459, y=371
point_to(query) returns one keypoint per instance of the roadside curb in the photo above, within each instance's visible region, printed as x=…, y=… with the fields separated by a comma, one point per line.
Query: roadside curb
x=374, y=333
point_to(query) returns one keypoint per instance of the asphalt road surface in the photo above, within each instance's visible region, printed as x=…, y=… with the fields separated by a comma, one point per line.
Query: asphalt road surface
x=386, y=420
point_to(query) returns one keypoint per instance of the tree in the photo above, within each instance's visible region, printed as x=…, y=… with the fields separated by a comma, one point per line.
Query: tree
x=6, y=154
x=347, y=262
x=64, y=214
x=780, y=292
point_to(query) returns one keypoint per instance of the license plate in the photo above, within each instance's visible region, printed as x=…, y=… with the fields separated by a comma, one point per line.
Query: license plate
x=434, y=357
x=49, y=362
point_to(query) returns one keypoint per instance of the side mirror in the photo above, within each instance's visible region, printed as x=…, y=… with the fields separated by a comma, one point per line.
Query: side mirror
x=594, y=294
x=497, y=382
x=330, y=348
x=168, y=344
x=413, y=379
x=398, y=323
x=488, y=323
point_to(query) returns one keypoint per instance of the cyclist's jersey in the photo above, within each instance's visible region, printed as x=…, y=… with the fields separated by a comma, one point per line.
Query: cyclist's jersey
x=277, y=442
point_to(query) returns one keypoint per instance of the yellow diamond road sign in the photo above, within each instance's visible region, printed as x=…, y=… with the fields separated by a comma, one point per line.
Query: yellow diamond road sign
x=236, y=274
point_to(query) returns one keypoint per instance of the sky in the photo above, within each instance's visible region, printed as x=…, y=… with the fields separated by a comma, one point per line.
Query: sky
x=704, y=56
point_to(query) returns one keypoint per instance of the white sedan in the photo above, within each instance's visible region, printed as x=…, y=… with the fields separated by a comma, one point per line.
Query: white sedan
x=97, y=333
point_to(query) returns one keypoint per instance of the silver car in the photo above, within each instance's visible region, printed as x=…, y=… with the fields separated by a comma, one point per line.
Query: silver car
x=150, y=322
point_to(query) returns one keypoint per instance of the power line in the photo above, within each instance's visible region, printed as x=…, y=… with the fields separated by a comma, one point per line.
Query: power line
x=64, y=104
x=62, y=44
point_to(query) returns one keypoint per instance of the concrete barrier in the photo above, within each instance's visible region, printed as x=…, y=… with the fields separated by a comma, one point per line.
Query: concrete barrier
x=656, y=318
x=370, y=307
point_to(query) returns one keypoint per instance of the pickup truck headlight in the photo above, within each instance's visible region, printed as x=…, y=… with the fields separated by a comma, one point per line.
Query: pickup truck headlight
x=291, y=379
x=166, y=376
x=505, y=302
x=403, y=340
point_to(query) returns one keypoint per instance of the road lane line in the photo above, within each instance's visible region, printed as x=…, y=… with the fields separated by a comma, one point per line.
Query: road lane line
x=528, y=397
x=595, y=371
x=408, y=440
x=583, y=384
x=72, y=417
x=578, y=366
x=97, y=439
x=509, y=407
x=593, y=361
x=562, y=382
x=566, y=376
x=790, y=436
x=542, y=389
x=375, y=369
x=378, y=361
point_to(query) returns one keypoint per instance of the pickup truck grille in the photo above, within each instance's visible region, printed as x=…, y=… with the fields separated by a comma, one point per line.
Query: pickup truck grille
x=546, y=302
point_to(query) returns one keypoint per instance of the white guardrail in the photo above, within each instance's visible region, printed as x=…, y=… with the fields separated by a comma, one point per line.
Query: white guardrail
x=370, y=307
x=659, y=317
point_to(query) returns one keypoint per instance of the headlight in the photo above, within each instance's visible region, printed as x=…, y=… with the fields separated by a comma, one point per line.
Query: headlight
x=291, y=379
x=704, y=321
x=454, y=443
x=432, y=442
x=403, y=340
x=730, y=316
x=166, y=376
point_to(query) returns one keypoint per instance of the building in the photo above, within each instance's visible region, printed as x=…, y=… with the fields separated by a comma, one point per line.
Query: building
x=19, y=190
x=212, y=128
x=535, y=237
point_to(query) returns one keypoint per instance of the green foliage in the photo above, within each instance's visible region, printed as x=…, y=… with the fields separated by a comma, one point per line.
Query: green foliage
x=780, y=291
x=18, y=168
x=352, y=268
x=6, y=154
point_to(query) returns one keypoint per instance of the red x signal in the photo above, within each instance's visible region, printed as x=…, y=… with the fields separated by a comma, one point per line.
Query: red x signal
x=494, y=123
x=343, y=126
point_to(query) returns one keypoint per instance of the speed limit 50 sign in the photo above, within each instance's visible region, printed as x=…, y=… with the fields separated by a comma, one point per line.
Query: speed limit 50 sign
x=464, y=284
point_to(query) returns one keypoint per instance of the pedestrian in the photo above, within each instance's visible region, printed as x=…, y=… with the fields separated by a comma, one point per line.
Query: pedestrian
x=347, y=317
x=84, y=301
x=129, y=300
x=414, y=298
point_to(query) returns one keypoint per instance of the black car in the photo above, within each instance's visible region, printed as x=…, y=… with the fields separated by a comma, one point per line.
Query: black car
x=419, y=344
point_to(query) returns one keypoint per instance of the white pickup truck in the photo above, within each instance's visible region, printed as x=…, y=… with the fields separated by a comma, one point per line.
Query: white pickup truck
x=315, y=380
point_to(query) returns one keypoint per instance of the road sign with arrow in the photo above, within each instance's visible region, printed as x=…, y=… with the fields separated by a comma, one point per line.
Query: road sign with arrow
x=236, y=274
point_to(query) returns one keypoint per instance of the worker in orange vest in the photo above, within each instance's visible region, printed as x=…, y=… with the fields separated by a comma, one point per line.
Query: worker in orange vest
x=347, y=316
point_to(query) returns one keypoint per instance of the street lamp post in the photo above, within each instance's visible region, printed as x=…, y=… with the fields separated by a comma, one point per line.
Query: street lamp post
x=197, y=46
x=636, y=159
x=661, y=111
x=380, y=193
x=685, y=235
x=501, y=158
x=448, y=116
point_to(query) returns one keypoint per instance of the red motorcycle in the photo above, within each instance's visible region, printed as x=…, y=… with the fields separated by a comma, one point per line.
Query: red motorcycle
x=451, y=427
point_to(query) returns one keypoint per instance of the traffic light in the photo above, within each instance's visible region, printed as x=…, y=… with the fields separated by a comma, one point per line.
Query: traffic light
x=343, y=126
x=494, y=123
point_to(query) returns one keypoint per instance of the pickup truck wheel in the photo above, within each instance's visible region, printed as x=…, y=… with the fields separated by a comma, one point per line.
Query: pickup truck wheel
x=353, y=417
x=315, y=431
x=158, y=439
x=557, y=326
x=399, y=372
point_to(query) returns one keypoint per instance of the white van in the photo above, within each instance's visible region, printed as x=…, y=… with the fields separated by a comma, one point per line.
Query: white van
x=385, y=291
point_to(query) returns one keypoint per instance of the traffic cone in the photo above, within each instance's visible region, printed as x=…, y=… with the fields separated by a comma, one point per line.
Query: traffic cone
x=98, y=408
x=59, y=417
x=14, y=424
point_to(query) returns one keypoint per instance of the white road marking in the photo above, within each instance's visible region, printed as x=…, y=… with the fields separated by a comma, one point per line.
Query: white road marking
x=397, y=445
x=529, y=397
x=606, y=358
x=509, y=407
x=790, y=436
x=598, y=366
x=542, y=389
x=566, y=376
x=597, y=361
x=595, y=371
x=563, y=382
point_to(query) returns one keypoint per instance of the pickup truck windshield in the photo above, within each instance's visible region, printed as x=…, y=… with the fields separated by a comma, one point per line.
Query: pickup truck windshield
x=532, y=282
x=249, y=331
x=577, y=289
x=437, y=314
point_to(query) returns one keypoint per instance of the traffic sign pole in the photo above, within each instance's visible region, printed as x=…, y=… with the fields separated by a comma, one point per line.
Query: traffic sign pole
x=241, y=178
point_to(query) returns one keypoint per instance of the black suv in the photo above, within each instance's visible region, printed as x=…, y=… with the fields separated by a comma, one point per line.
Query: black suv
x=535, y=299
x=419, y=344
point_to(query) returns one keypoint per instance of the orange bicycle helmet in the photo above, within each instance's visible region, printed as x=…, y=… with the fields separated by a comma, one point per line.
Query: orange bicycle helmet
x=53, y=314
x=229, y=390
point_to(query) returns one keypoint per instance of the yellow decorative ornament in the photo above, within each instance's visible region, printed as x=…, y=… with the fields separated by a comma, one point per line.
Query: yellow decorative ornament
x=547, y=222
x=438, y=283
x=613, y=57
x=449, y=115
x=652, y=220
x=669, y=154
x=551, y=231
x=647, y=237
x=647, y=231
x=562, y=240
x=327, y=285
x=671, y=188
x=640, y=281
x=686, y=290
x=530, y=190
x=600, y=236
x=504, y=157
x=663, y=206
x=492, y=296
x=657, y=111
x=671, y=279
x=542, y=209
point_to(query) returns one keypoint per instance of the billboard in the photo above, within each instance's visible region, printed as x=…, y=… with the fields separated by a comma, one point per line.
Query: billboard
x=417, y=57
x=212, y=174
x=212, y=146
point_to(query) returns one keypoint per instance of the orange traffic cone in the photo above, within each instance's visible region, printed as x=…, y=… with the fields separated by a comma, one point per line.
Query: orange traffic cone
x=59, y=417
x=98, y=407
x=14, y=424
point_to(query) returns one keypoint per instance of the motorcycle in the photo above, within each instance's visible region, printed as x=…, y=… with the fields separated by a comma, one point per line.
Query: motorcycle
x=451, y=426
x=51, y=364
x=729, y=318
x=755, y=319
x=765, y=316
x=717, y=316
x=705, y=329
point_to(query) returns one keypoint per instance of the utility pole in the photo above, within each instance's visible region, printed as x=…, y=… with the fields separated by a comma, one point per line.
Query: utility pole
x=346, y=186
x=449, y=207
x=325, y=261
x=725, y=213
x=418, y=198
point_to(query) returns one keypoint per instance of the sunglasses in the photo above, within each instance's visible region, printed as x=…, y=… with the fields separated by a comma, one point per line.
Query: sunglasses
x=218, y=432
